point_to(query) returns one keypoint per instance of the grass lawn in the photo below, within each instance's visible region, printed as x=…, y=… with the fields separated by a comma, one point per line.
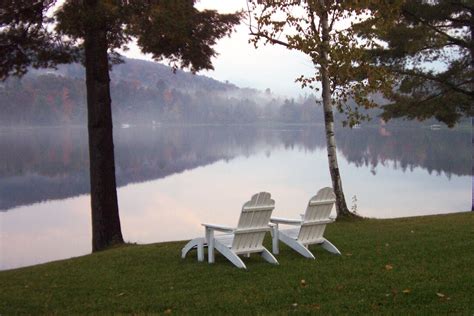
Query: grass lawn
x=422, y=265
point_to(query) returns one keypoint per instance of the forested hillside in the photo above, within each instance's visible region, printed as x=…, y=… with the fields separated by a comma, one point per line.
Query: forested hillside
x=142, y=93
x=146, y=93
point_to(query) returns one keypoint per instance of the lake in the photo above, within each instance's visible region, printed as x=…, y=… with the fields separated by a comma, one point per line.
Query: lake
x=171, y=179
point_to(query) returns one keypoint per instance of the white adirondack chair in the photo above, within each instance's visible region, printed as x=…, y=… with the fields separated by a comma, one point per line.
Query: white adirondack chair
x=245, y=239
x=310, y=228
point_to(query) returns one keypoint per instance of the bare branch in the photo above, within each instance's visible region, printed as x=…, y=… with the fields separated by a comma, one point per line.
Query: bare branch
x=272, y=40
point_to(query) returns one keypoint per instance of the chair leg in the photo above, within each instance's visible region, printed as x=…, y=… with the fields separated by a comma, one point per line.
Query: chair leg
x=297, y=246
x=200, y=250
x=275, y=233
x=268, y=256
x=230, y=255
x=330, y=247
x=210, y=245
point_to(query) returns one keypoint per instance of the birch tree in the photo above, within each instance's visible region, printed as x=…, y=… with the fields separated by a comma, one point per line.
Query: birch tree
x=324, y=30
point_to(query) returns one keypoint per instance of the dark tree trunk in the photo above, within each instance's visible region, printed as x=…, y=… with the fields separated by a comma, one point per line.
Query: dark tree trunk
x=472, y=38
x=341, y=206
x=472, y=117
x=106, y=230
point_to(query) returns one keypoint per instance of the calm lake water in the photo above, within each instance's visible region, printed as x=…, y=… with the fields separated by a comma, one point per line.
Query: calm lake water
x=173, y=178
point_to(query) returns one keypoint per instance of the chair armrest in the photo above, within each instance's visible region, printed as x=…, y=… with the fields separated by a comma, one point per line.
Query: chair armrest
x=319, y=222
x=278, y=220
x=219, y=228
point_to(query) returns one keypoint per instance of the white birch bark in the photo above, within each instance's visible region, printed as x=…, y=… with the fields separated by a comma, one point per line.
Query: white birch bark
x=341, y=207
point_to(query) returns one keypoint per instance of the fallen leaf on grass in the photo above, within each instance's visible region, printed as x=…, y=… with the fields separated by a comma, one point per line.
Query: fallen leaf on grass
x=348, y=254
x=388, y=267
x=294, y=304
x=376, y=306
x=315, y=306
x=121, y=294
x=406, y=291
x=440, y=294
x=168, y=311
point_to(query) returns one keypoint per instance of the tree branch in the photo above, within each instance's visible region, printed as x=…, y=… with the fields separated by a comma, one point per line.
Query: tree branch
x=272, y=40
x=452, y=86
x=437, y=30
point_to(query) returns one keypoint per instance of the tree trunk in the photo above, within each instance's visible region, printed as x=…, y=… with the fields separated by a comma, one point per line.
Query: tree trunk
x=341, y=207
x=472, y=87
x=106, y=230
x=472, y=38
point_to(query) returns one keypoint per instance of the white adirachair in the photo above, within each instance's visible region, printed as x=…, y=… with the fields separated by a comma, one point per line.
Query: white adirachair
x=245, y=239
x=310, y=228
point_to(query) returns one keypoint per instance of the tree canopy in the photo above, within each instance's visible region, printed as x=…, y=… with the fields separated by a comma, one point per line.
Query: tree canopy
x=428, y=49
x=418, y=54
x=25, y=39
x=33, y=36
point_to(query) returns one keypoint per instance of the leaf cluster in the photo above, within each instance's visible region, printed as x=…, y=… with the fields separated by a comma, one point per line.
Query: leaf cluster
x=27, y=40
x=177, y=31
x=297, y=26
x=171, y=30
x=429, y=50
x=419, y=54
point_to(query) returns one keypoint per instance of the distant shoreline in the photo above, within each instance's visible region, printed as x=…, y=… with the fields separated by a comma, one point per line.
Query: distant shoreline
x=460, y=127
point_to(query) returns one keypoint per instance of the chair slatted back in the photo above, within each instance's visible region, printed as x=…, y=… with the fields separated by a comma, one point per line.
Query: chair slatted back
x=319, y=208
x=253, y=223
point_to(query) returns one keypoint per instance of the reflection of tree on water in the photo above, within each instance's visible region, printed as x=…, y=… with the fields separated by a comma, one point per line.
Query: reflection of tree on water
x=44, y=164
x=439, y=151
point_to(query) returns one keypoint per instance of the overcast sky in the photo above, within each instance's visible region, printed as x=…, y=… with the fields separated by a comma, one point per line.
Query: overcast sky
x=239, y=62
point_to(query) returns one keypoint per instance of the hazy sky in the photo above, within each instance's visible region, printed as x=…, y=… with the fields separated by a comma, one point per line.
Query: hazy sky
x=239, y=62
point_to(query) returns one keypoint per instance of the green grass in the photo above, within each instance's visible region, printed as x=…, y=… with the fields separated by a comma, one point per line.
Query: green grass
x=432, y=260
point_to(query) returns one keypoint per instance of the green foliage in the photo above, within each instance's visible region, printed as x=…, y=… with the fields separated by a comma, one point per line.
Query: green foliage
x=418, y=54
x=394, y=266
x=297, y=26
x=175, y=30
x=429, y=52
x=25, y=39
x=170, y=30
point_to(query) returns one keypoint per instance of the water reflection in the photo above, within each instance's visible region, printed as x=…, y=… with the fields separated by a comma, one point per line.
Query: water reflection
x=52, y=164
x=440, y=151
x=172, y=179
